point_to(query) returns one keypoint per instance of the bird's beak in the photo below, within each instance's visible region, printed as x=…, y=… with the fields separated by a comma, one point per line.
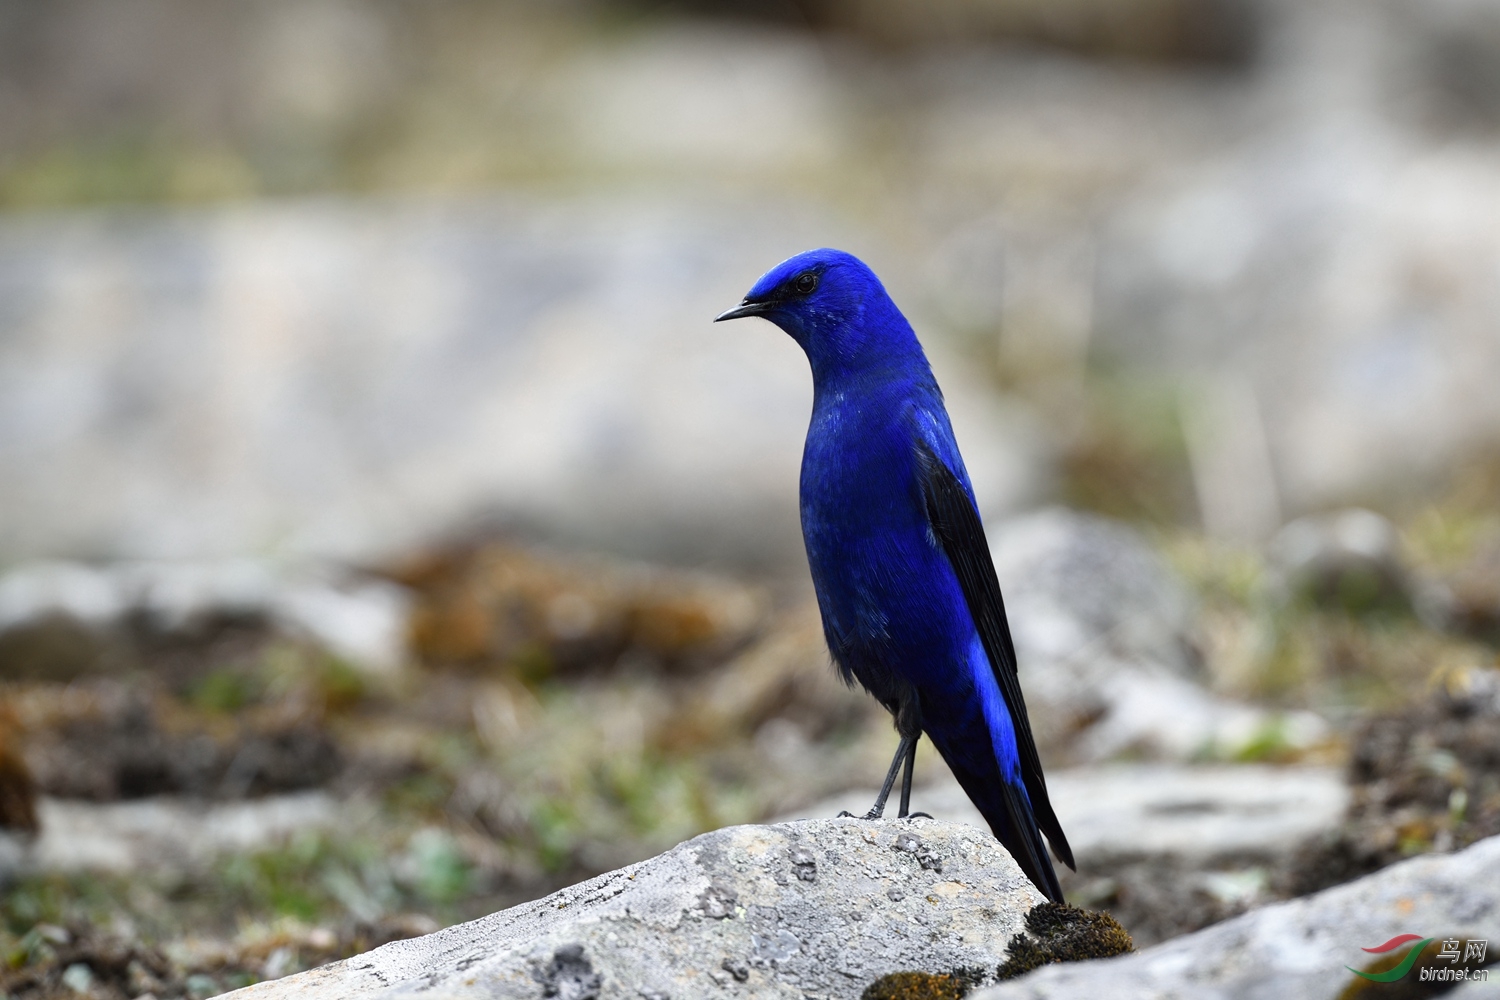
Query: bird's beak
x=746, y=308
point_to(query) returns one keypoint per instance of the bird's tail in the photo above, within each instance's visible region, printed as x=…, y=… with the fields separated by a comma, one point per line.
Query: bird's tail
x=1007, y=808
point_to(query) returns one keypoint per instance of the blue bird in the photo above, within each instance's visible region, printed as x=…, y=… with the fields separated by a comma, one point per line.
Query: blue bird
x=906, y=587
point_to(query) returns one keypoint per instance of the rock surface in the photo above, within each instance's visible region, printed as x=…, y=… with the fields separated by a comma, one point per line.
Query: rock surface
x=1295, y=950
x=818, y=908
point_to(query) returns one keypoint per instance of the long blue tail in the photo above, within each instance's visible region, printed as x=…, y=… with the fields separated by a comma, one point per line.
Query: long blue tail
x=1004, y=804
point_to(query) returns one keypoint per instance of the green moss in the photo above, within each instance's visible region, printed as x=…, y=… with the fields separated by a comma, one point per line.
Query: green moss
x=1063, y=933
x=917, y=986
x=1269, y=744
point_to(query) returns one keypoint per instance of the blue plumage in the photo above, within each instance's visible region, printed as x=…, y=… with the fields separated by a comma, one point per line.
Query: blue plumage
x=907, y=591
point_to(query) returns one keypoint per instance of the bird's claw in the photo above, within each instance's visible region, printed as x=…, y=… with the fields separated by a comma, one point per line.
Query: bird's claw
x=872, y=814
x=918, y=815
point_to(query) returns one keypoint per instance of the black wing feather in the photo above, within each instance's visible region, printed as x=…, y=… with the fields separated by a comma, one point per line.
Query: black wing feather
x=959, y=531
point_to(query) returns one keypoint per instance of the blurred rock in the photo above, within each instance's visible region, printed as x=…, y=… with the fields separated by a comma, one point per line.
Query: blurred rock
x=1198, y=812
x=1113, y=812
x=70, y=590
x=1337, y=259
x=171, y=834
x=365, y=623
x=1152, y=714
x=1350, y=560
x=1294, y=950
x=297, y=81
x=1104, y=634
x=673, y=101
x=350, y=380
x=1075, y=582
x=60, y=619
x=1320, y=230
x=821, y=907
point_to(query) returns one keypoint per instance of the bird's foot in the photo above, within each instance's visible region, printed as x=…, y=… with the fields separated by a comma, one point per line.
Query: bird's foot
x=918, y=815
x=872, y=814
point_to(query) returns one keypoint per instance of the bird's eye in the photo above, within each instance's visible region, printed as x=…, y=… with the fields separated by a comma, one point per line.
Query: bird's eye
x=805, y=283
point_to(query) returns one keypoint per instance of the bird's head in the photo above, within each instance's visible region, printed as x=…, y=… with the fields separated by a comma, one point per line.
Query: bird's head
x=831, y=303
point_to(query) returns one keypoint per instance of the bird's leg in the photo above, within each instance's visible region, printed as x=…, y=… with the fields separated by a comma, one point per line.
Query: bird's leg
x=909, y=725
x=907, y=748
x=911, y=761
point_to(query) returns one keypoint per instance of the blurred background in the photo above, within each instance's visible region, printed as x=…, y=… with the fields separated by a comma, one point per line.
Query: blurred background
x=387, y=536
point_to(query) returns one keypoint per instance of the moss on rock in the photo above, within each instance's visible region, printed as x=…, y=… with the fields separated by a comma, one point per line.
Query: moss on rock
x=1063, y=933
x=917, y=986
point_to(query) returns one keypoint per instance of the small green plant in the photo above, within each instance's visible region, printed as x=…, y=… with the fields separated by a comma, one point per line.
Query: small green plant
x=439, y=870
x=224, y=690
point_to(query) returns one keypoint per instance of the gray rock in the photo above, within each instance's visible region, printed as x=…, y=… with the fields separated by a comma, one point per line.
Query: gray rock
x=164, y=833
x=344, y=380
x=1295, y=950
x=1350, y=559
x=1146, y=712
x=364, y=620
x=730, y=913
x=1104, y=631
x=1077, y=583
x=1332, y=269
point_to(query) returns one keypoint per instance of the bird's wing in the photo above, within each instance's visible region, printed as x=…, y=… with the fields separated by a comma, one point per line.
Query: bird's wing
x=956, y=525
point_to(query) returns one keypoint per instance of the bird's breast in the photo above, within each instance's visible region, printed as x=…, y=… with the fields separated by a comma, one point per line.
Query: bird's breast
x=880, y=578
